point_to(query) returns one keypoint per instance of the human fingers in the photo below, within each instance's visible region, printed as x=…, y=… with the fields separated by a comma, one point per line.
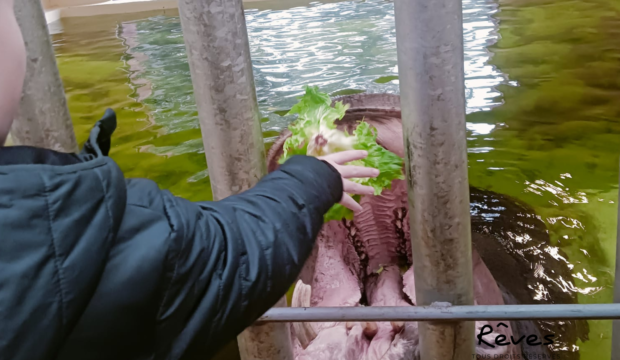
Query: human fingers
x=352, y=171
x=348, y=202
x=346, y=156
x=351, y=187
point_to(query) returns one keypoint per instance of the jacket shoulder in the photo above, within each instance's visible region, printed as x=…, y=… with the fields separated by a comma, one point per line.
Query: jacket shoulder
x=145, y=193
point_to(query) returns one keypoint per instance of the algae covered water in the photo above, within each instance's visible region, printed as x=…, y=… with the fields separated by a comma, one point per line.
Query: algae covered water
x=543, y=103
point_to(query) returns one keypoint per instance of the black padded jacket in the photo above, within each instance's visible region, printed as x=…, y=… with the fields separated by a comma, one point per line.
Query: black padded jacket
x=94, y=266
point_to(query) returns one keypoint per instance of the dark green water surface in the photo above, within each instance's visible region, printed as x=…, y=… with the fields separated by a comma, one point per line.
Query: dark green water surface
x=543, y=92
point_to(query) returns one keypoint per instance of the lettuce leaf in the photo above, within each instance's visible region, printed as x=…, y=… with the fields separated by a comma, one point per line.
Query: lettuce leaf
x=339, y=212
x=389, y=164
x=314, y=133
x=315, y=116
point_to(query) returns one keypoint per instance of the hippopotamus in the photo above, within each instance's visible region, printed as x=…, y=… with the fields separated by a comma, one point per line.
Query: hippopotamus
x=367, y=261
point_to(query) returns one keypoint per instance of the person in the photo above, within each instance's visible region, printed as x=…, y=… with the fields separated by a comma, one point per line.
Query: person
x=12, y=66
x=96, y=266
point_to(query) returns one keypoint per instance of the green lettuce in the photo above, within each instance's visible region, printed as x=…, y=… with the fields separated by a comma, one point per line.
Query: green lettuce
x=314, y=133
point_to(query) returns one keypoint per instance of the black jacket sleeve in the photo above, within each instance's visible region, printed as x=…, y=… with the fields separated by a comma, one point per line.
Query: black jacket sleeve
x=234, y=259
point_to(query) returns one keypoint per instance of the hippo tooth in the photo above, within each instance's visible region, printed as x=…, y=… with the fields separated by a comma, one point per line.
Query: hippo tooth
x=370, y=329
x=304, y=332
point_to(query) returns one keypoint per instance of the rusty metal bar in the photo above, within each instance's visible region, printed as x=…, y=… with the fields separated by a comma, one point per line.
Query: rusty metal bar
x=444, y=314
x=219, y=57
x=43, y=119
x=429, y=37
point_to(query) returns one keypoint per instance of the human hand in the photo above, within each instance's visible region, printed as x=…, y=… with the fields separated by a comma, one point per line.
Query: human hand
x=337, y=160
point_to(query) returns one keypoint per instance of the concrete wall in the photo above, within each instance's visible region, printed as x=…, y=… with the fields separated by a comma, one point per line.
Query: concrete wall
x=50, y=4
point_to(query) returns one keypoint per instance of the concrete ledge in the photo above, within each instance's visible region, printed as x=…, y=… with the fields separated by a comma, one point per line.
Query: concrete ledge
x=58, y=9
x=54, y=4
x=117, y=7
x=52, y=15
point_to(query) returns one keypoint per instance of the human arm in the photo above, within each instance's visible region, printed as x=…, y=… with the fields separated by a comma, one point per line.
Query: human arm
x=240, y=255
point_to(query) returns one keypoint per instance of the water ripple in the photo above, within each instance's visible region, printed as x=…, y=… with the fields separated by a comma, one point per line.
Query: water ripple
x=337, y=46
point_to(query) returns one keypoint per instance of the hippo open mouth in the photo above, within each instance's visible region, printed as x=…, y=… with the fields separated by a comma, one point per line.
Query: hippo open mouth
x=367, y=262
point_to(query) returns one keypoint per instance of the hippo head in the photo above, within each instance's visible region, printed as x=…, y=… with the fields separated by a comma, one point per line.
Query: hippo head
x=367, y=262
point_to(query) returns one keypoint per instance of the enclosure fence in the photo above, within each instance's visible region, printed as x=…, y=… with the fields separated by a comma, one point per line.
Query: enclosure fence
x=431, y=75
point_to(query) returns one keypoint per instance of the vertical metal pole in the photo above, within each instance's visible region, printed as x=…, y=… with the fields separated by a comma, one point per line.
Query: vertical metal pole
x=429, y=37
x=219, y=57
x=43, y=119
x=615, y=339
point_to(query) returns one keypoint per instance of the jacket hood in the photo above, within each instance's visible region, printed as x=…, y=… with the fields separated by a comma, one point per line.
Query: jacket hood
x=59, y=216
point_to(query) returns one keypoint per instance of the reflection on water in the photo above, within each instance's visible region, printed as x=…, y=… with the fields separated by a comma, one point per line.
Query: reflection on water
x=543, y=87
x=557, y=134
x=340, y=47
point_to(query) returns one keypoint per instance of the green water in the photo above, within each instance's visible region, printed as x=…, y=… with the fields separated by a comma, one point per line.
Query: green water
x=557, y=145
x=543, y=91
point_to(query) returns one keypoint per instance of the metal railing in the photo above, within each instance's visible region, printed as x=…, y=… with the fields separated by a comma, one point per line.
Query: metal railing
x=443, y=313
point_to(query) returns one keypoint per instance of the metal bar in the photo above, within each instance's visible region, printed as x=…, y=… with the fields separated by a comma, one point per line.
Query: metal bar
x=43, y=119
x=451, y=313
x=615, y=340
x=218, y=49
x=219, y=57
x=429, y=38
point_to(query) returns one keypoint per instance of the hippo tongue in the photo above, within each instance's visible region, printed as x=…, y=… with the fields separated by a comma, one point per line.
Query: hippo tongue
x=386, y=288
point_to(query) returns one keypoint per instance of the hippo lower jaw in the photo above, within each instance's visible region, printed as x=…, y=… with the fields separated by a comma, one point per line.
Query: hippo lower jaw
x=364, y=263
x=357, y=340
